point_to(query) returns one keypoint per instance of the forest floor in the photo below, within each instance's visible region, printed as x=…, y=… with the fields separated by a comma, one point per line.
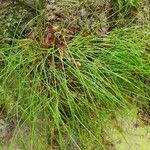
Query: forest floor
x=134, y=136
x=74, y=76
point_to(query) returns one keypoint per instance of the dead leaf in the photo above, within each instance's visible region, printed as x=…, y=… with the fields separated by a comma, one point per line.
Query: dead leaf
x=58, y=66
x=49, y=39
x=77, y=64
x=106, y=6
x=50, y=59
x=59, y=44
x=73, y=30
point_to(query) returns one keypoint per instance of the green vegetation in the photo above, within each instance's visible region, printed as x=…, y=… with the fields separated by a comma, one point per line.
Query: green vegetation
x=57, y=98
x=69, y=98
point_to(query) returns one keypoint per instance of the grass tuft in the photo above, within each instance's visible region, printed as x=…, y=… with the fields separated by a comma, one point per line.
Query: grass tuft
x=68, y=101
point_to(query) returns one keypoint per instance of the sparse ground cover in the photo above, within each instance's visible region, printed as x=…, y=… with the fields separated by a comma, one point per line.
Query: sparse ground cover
x=70, y=86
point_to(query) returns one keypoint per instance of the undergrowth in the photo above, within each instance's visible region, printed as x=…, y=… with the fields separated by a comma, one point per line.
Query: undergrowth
x=68, y=100
x=88, y=14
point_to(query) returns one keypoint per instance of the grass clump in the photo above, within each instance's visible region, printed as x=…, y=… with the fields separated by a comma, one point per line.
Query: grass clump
x=67, y=101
